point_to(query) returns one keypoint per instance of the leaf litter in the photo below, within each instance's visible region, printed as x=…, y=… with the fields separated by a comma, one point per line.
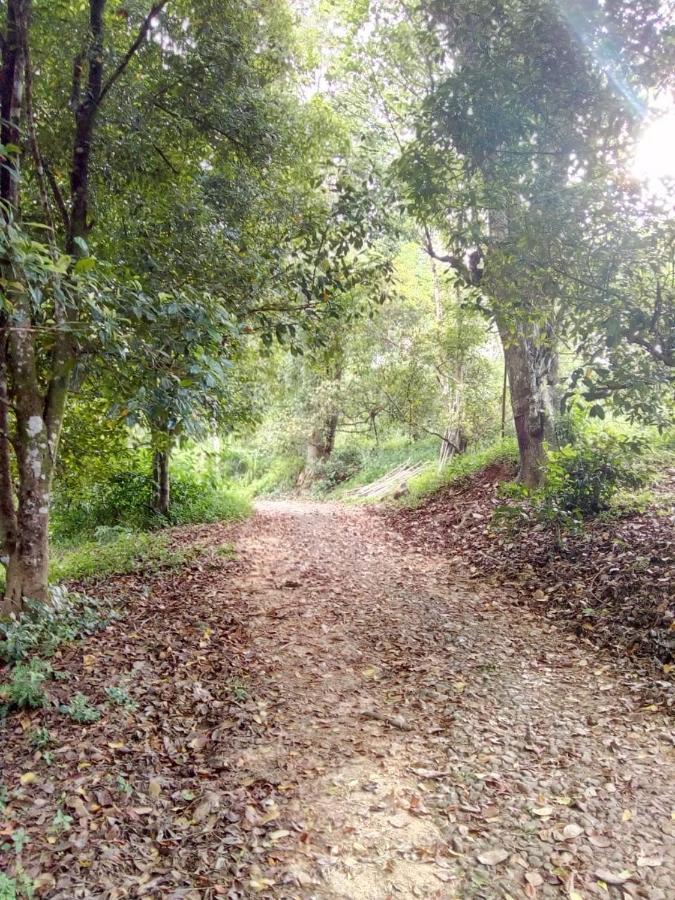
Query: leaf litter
x=299, y=732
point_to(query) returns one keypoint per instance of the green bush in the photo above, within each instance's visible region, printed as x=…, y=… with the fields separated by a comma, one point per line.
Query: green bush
x=25, y=688
x=125, y=501
x=42, y=627
x=341, y=465
x=119, y=552
x=281, y=477
x=582, y=477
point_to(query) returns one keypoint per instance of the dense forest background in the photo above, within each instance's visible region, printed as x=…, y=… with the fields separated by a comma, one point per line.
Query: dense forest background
x=262, y=247
x=337, y=450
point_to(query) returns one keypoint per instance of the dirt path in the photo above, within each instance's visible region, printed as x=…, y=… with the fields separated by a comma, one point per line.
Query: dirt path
x=333, y=715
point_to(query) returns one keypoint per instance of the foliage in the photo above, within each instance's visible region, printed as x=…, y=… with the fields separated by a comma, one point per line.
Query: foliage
x=40, y=738
x=280, y=476
x=120, y=697
x=582, y=478
x=127, y=551
x=42, y=627
x=17, y=887
x=80, y=710
x=458, y=468
x=125, y=499
x=25, y=688
x=339, y=467
x=583, y=475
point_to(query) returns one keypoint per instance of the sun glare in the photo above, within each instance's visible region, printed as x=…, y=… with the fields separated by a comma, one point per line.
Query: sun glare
x=655, y=153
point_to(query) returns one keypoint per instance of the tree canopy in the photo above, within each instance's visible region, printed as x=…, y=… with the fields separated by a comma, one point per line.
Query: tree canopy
x=367, y=203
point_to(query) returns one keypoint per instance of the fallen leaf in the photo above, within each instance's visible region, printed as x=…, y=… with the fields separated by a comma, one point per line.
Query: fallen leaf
x=601, y=841
x=534, y=878
x=649, y=861
x=209, y=804
x=572, y=831
x=613, y=877
x=493, y=857
x=543, y=811
x=28, y=778
x=154, y=788
x=399, y=821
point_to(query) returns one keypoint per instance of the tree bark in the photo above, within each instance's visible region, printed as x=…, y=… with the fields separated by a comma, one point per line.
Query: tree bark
x=38, y=428
x=11, y=105
x=8, y=522
x=162, y=481
x=85, y=113
x=319, y=447
x=531, y=364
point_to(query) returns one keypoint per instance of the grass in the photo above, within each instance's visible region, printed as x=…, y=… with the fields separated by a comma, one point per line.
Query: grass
x=280, y=477
x=459, y=467
x=126, y=552
x=380, y=460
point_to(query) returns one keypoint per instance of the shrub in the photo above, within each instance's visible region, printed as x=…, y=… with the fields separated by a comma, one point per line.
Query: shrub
x=124, y=502
x=25, y=688
x=281, y=476
x=121, y=551
x=80, y=711
x=582, y=477
x=341, y=465
x=42, y=627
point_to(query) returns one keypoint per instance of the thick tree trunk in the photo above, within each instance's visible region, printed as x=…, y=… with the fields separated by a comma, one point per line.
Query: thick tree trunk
x=162, y=482
x=38, y=428
x=531, y=364
x=27, y=576
x=319, y=447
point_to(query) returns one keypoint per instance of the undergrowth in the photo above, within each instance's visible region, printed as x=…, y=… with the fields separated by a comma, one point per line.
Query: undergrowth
x=125, y=500
x=27, y=643
x=459, y=467
x=114, y=551
x=378, y=461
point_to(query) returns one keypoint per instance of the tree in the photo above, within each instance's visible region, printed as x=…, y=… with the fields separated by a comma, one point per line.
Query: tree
x=56, y=316
x=523, y=105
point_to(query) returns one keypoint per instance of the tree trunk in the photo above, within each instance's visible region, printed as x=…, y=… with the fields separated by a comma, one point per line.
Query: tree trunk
x=531, y=364
x=27, y=576
x=162, y=482
x=12, y=84
x=319, y=447
x=8, y=523
x=38, y=428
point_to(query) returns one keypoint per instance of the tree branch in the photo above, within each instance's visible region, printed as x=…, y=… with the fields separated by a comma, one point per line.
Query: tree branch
x=58, y=197
x=128, y=56
x=453, y=261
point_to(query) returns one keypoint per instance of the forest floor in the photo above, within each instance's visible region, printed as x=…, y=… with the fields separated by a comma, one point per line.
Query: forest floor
x=332, y=712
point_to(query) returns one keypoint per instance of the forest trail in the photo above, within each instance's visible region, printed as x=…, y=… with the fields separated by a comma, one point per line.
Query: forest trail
x=335, y=715
x=427, y=725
